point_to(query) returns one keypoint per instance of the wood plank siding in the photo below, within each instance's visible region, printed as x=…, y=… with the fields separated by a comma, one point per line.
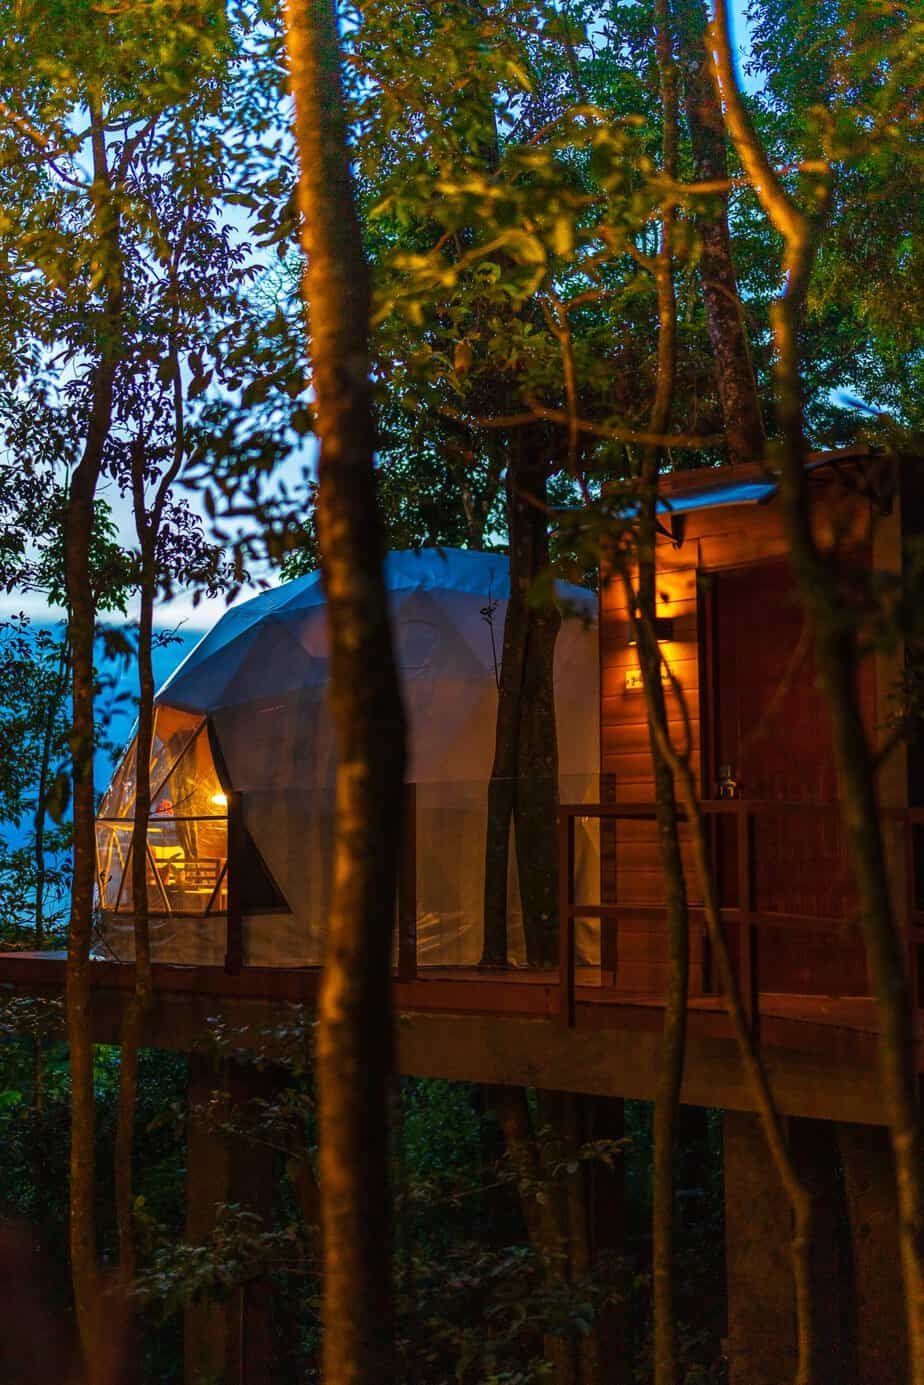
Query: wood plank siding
x=711, y=544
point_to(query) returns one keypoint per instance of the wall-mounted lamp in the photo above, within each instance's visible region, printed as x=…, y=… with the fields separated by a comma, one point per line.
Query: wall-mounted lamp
x=663, y=628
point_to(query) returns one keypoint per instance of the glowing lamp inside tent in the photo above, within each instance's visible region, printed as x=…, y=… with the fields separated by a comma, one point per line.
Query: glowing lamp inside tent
x=219, y=800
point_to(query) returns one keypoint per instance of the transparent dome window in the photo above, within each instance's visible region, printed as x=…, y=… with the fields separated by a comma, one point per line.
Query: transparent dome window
x=186, y=850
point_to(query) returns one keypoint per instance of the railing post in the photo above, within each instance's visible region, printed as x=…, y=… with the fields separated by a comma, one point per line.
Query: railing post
x=906, y=832
x=407, y=888
x=566, y=917
x=712, y=824
x=748, y=942
x=609, y=879
x=234, y=954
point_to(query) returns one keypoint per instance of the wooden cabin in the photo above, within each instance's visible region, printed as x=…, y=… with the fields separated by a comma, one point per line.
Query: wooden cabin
x=733, y=635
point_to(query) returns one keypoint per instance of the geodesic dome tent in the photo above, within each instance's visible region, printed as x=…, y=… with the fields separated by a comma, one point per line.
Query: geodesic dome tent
x=247, y=713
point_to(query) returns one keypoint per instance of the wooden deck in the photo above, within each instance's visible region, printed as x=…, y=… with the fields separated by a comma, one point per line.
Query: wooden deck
x=471, y=1024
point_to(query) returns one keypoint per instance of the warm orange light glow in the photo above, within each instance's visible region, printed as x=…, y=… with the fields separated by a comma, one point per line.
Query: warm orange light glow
x=219, y=800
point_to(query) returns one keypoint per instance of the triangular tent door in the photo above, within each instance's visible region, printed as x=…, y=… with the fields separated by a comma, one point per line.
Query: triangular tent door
x=259, y=892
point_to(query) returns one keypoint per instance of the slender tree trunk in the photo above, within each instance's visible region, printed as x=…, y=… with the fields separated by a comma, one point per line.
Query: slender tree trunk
x=643, y=608
x=536, y=784
x=577, y=1205
x=78, y=534
x=554, y=1223
x=355, y=1040
x=505, y=767
x=133, y=1020
x=515, y=1121
x=555, y=1208
x=564, y=1225
x=836, y=659
x=797, y=1194
x=744, y=430
x=59, y=689
x=523, y=789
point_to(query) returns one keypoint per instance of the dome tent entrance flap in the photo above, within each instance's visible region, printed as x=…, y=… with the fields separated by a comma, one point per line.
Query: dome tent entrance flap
x=258, y=682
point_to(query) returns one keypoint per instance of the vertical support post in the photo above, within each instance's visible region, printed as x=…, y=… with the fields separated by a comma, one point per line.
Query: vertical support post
x=761, y=1302
x=228, y=1341
x=206, y=1322
x=234, y=955
x=566, y=917
x=707, y=654
x=748, y=960
x=712, y=825
x=612, y=929
x=407, y=889
x=609, y=879
x=813, y=1146
x=879, y=1307
x=905, y=828
x=605, y=1117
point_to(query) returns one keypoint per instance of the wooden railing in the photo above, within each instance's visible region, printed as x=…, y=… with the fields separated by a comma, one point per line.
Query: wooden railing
x=904, y=841
x=729, y=821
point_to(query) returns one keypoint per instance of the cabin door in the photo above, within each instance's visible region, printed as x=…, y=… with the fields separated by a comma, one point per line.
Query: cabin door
x=772, y=740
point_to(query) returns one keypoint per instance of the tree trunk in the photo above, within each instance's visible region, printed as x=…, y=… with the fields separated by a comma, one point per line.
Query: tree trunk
x=837, y=662
x=513, y=1115
x=58, y=691
x=836, y=658
x=355, y=1039
x=78, y=535
x=134, y=1012
x=564, y=1225
x=536, y=785
x=556, y=1210
x=643, y=612
x=752, y=1062
x=523, y=788
x=502, y=784
x=744, y=429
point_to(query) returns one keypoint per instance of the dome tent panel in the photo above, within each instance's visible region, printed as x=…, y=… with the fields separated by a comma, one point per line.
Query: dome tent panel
x=273, y=664
x=174, y=729
x=119, y=799
x=185, y=687
x=184, y=939
x=187, y=839
x=278, y=743
x=192, y=789
x=113, y=850
x=203, y=684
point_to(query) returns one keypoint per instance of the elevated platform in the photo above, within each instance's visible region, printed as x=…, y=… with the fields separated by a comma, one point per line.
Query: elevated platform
x=511, y=1027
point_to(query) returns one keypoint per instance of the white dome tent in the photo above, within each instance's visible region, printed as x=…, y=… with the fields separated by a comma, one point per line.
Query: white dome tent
x=246, y=714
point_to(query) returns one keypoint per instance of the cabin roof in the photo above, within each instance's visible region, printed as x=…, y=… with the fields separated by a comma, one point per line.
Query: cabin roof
x=753, y=483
